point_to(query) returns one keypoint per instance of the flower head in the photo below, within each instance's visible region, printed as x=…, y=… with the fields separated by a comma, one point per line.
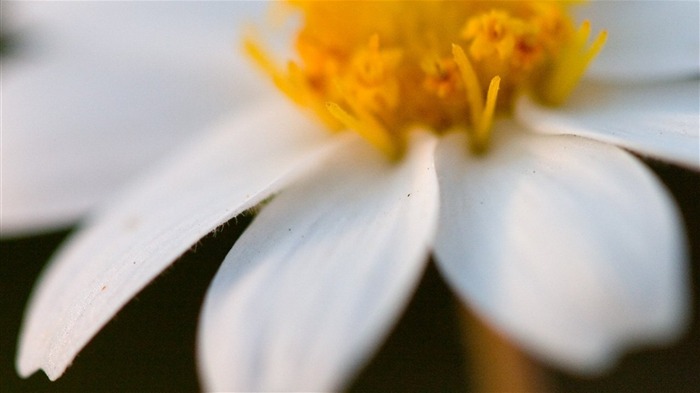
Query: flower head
x=563, y=243
x=359, y=69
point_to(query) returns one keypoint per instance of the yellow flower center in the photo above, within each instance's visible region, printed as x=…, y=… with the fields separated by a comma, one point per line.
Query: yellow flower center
x=381, y=68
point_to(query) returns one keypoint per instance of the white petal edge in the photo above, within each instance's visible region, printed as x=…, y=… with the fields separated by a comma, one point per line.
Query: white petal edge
x=659, y=120
x=568, y=246
x=96, y=91
x=121, y=250
x=647, y=40
x=314, y=284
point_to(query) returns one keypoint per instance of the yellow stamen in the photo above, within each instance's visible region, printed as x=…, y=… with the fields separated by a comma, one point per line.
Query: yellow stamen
x=293, y=84
x=368, y=129
x=482, y=117
x=268, y=66
x=381, y=68
x=571, y=64
x=482, y=131
x=471, y=81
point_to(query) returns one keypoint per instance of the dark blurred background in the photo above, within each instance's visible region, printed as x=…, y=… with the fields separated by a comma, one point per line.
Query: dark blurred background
x=149, y=346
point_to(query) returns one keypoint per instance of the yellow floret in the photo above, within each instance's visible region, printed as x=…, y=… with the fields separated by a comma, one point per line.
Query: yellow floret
x=381, y=68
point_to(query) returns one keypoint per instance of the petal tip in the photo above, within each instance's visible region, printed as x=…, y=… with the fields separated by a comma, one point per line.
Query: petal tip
x=26, y=368
x=33, y=355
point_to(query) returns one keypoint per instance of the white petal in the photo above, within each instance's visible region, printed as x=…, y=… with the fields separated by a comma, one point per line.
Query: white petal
x=568, y=246
x=662, y=121
x=96, y=91
x=164, y=214
x=647, y=40
x=314, y=284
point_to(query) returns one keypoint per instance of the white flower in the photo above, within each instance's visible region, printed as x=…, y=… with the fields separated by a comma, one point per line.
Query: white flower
x=93, y=93
x=567, y=244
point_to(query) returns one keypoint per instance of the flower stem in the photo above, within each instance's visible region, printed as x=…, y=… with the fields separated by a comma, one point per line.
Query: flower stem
x=496, y=365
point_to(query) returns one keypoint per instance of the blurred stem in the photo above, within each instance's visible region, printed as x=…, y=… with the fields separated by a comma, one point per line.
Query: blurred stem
x=496, y=364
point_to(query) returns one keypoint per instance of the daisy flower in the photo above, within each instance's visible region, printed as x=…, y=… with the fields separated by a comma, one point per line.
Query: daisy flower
x=450, y=129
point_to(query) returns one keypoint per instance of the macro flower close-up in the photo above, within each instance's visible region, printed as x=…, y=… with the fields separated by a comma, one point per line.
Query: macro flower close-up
x=501, y=142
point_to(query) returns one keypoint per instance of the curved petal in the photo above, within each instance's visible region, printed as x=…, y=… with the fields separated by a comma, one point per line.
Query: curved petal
x=316, y=281
x=647, y=40
x=96, y=91
x=662, y=121
x=148, y=227
x=568, y=246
